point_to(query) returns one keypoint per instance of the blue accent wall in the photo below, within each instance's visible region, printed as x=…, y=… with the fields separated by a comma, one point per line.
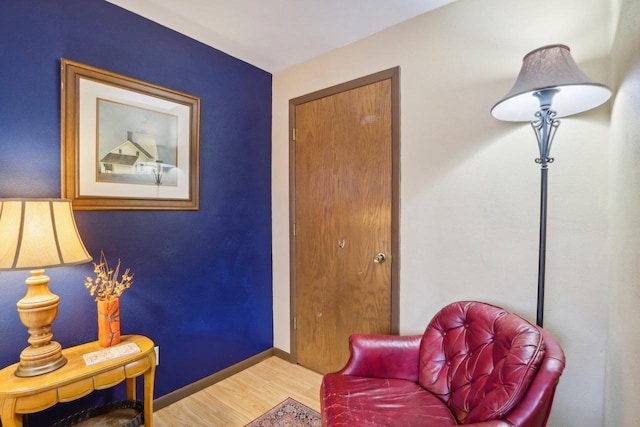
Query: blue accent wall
x=203, y=280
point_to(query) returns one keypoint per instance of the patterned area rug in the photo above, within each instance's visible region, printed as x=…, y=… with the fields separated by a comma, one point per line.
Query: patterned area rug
x=289, y=413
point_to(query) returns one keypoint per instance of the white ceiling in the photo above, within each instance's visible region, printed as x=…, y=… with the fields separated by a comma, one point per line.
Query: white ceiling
x=276, y=34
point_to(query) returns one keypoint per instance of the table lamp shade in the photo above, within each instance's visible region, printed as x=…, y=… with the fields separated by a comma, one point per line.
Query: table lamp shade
x=545, y=68
x=39, y=233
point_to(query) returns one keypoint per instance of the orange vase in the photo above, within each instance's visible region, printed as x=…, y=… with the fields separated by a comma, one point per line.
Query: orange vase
x=108, y=322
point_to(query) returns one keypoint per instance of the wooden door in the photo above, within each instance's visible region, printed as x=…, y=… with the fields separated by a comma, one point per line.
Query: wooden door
x=344, y=215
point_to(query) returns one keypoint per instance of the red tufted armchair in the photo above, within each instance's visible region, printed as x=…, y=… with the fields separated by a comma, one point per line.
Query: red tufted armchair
x=476, y=364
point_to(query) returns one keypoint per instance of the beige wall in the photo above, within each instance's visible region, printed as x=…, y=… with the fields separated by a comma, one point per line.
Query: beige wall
x=623, y=365
x=469, y=185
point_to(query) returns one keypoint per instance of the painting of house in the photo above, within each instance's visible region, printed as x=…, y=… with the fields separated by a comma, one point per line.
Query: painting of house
x=127, y=158
x=138, y=160
x=148, y=153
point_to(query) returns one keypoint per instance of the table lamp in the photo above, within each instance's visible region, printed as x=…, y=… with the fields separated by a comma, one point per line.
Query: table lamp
x=550, y=85
x=36, y=234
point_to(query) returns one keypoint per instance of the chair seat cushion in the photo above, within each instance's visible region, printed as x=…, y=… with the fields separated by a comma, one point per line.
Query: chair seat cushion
x=367, y=402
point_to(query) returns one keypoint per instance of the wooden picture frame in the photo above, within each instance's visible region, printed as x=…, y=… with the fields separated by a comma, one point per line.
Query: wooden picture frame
x=127, y=144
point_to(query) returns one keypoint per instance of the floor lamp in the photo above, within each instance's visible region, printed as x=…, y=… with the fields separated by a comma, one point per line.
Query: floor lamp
x=550, y=85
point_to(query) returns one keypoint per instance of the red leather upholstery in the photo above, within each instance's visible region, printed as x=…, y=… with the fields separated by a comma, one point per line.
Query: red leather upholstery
x=476, y=364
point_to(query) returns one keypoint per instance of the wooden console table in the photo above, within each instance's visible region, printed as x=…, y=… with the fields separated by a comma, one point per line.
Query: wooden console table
x=27, y=395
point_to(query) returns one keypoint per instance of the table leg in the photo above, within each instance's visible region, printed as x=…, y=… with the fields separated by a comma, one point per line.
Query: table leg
x=8, y=415
x=131, y=388
x=149, y=378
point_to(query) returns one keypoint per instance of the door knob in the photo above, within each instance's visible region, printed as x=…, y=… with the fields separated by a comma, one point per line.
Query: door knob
x=380, y=258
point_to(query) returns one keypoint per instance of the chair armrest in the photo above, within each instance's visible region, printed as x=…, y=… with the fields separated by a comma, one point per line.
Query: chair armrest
x=535, y=406
x=384, y=356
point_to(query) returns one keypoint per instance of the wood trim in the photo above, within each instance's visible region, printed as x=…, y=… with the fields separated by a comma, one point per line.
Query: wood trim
x=394, y=75
x=203, y=383
x=395, y=199
x=292, y=240
x=281, y=354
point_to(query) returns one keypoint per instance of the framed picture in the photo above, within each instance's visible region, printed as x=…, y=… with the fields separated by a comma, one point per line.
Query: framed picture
x=127, y=144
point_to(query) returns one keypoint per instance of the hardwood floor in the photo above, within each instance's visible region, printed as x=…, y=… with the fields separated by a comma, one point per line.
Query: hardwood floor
x=244, y=396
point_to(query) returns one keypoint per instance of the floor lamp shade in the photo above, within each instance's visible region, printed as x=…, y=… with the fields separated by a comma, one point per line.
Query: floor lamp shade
x=37, y=234
x=550, y=85
x=550, y=68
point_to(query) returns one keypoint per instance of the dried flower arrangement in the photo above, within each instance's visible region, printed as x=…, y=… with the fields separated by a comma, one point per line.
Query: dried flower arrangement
x=107, y=286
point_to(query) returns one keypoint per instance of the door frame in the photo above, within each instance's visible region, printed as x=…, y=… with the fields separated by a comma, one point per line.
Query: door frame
x=392, y=74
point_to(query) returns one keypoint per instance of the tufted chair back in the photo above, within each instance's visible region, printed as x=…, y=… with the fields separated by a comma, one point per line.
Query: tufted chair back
x=479, y=359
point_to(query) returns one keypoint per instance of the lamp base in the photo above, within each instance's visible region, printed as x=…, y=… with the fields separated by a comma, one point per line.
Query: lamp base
x=40, y=360
x=38, y=309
